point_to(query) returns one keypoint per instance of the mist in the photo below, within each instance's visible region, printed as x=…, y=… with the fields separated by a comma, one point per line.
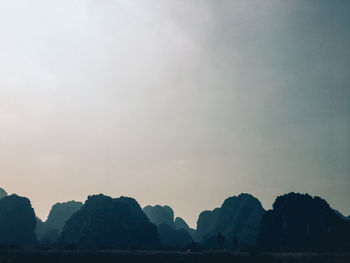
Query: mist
x=181, y=103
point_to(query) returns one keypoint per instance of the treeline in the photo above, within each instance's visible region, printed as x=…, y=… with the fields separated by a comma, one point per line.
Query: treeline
x=297, y=222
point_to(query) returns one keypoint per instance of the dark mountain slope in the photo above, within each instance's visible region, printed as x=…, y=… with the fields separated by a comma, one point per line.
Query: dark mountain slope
x=239, y=217
x=17, y=221
x=104, y=222
x=299, y=222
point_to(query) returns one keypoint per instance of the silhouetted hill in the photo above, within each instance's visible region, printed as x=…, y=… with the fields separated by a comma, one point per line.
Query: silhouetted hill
x=238, y=216
x=175, y=238
x=49, y=231
x=104, y=222
x=160, y=215
x=2, y=193
x=60, y=213
x=17, y=221
x=299, y=222
x=181, y=224
x=172, y=233
x=206, y=223
x=40, y=228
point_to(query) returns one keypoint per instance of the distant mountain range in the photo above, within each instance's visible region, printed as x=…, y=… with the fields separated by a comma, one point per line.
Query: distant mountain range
x=297, y=222
x=173, y=233
x=49, y=231
x=109, y=223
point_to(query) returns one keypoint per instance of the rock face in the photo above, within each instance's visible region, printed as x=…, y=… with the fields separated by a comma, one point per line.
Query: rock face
x=239, y=216
x=173, y=238
x=2, y=193
x=104, y=222
x=17, y=221
x=160, y=215
x=299, y=222
x=49, y=231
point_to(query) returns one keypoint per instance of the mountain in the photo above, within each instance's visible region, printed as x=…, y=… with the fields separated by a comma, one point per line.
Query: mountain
x=299, y=222
x=2, y=193
x=160, y=215
x=104, y=222
x=206, y=223
x=172, y=233
x=173, y=238
x=238, y=218
x=181, y=224
x=44, y=235
x=49, y=231
x=17, y=221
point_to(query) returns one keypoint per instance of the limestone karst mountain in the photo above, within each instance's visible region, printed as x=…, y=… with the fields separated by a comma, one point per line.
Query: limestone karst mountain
x=239, y=217
x=17, y=221
x=173, y=238
x=173, y=233
x=104, y=222
x=49, y=231
x=300, y=222
x=181, y=224
x=206, y=224
x=297, y=222
x=160, y=214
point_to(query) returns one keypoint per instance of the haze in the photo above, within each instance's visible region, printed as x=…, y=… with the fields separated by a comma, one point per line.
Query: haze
x=175, y=102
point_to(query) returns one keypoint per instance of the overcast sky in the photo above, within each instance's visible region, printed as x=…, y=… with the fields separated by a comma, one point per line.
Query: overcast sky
x=178, y=102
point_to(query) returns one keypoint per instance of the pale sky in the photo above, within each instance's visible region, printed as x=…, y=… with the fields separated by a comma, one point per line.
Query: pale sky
x=177, y=102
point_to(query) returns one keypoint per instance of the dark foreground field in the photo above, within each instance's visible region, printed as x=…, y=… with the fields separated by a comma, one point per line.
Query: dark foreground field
x=163, y=257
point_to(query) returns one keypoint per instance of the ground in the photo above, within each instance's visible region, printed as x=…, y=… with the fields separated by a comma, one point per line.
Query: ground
x=168, y=257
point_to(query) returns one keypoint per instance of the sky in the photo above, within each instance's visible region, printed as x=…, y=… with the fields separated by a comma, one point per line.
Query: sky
x=178, y=102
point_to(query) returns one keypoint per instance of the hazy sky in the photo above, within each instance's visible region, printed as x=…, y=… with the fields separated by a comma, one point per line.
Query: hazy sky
x=178, y=102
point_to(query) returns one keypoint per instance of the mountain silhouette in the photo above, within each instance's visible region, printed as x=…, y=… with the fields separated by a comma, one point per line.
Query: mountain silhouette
x=181, y=224
x=160, y=215
x=2, y=193
x=17, y=221
x=239, y=217
x=206, y=224
x=44, y=235
x=104, y=222
x=49, y=231
x=299, y=222
x=172, y=233
x=173, y=238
